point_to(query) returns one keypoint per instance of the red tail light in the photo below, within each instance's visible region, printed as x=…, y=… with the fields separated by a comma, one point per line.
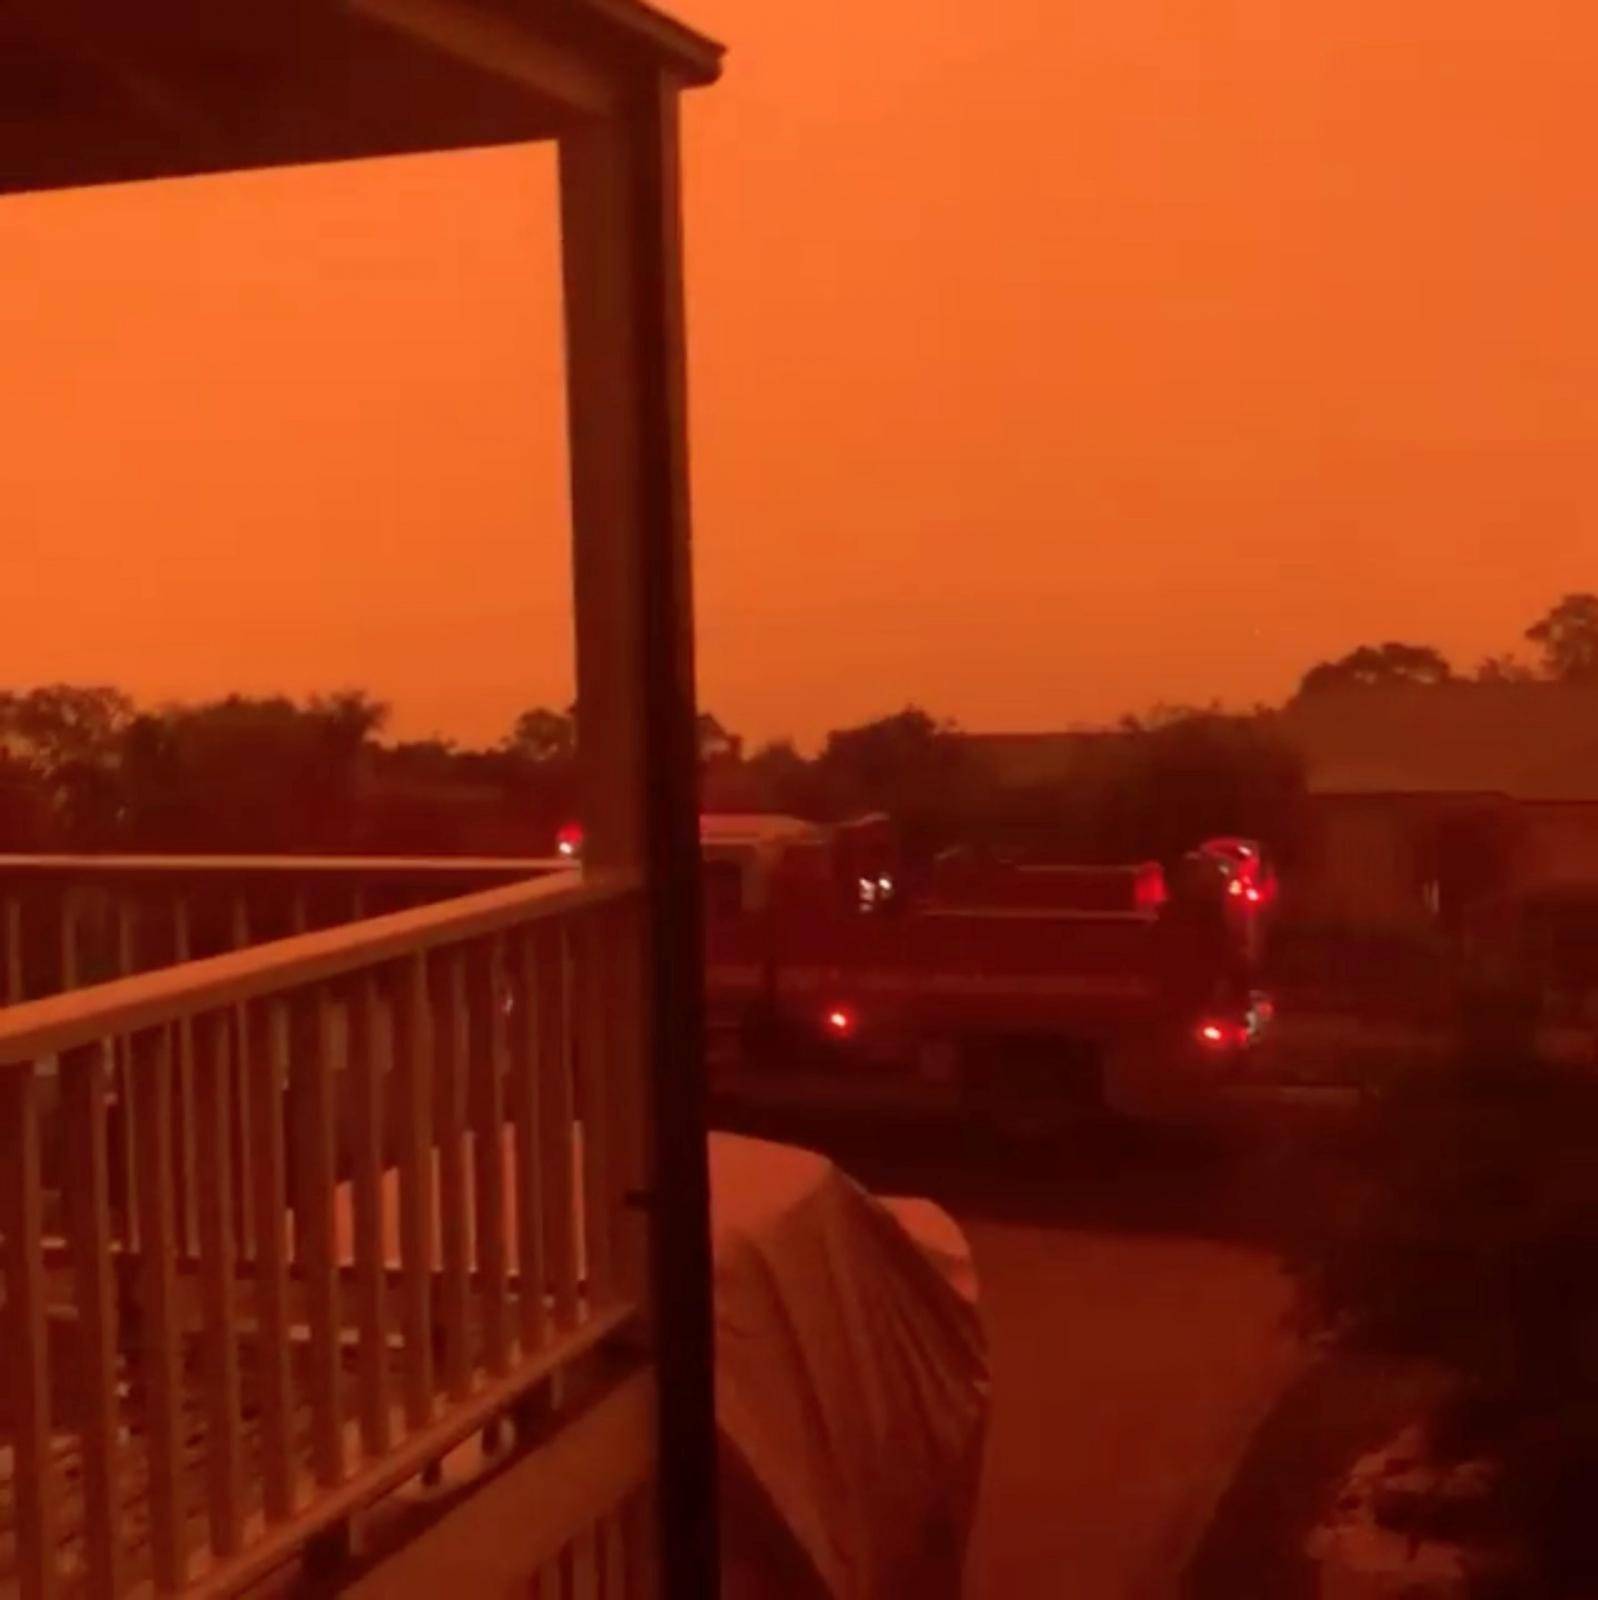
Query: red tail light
x=1216, y=1033
x=840, y=1022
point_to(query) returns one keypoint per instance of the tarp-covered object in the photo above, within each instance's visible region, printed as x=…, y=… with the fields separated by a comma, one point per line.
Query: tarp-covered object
x=851, y=1383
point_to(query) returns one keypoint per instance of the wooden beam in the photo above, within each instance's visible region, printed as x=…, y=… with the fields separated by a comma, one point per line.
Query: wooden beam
x=605, y=412
x=160, y=1350
x=622, y=243
x=218, y=1261
x=693, y=57
x=372, y=1055
x=13, y=939
x=449, y=1140
x=24, y=1332
x=529, y=1113
x=487, y=1053
x=267, y=1072
x=88, y=1196
x=502, y=47
x=98, y=91
x=315, y=1199
x=413, y=1049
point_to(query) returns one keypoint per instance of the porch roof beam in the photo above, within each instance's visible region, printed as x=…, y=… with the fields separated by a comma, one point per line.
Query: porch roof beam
x=490, y=42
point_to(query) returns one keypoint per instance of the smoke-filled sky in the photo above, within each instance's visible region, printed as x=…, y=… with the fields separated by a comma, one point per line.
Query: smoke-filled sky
x=1047, y=361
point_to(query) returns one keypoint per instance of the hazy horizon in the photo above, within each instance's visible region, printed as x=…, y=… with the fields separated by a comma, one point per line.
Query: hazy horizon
x=1042, y=370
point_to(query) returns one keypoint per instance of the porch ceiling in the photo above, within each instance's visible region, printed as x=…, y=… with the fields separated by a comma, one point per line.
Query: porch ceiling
x=103, y=91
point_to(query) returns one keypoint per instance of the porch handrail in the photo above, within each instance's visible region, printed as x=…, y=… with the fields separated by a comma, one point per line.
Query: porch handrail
x=35, y=1028
x=70, y=920
x=92, y=866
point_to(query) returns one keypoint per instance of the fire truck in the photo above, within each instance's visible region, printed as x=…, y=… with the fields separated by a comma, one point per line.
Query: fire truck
x=1020, y=993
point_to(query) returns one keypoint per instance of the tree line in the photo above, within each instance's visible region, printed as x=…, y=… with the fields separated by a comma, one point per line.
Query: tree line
x=1564, y=645
x=1149, y=788
x=85, y=768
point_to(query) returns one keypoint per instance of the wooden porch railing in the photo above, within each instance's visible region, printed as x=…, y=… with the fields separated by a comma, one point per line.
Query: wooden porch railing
x=67, y=921
x=284, y=1225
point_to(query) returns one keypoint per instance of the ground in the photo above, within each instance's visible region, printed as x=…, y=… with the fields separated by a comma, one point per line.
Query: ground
x=1140, y=1332
x=1128, y=1376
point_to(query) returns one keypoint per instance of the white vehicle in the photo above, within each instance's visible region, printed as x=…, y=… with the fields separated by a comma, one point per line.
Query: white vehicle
x=851, y=1383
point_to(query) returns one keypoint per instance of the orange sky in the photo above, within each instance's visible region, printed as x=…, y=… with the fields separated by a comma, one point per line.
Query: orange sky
x=1048, y=360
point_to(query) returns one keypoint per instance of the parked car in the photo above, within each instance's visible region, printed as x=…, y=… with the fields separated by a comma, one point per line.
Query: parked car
x=851, y=1383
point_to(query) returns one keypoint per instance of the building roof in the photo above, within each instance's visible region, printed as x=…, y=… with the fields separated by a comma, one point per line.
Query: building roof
x=100, y=91
x=753, y=828
x=1532, y=741
x=1029, y=758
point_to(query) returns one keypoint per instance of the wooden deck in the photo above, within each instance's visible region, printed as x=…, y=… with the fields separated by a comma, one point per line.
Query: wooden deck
x=133, y=1477
x=580, y=1331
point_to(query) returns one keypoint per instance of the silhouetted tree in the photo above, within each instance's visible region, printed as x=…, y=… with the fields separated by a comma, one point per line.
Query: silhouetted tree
x=244, y=774
x=426, y=759
x=543, y=735
x=26, y=823
x=1504, y=669
x=68, y=738
x=348, y=717
x=775, y=779
x=873, y=764
x=909, y=765
x=60, y=723
x=1568, y=639
x=782, y=774
x=1183, y=777
x=1378, y=666
x=716, y=744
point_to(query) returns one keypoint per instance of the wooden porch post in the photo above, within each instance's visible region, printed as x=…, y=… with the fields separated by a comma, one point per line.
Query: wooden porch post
x=622, y=253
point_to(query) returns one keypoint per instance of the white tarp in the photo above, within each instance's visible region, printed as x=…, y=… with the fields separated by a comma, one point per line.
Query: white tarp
x=851, y=1383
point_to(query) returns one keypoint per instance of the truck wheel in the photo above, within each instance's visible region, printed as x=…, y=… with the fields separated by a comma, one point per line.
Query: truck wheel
x=1144, y=1082
x=1035, y=1123
x=1032, y=1091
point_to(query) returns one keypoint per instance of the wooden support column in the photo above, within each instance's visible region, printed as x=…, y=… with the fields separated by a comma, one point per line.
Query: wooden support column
x=622, y=252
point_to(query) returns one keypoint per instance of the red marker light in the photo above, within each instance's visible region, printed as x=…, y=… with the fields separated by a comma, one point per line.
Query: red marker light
x=1211, y=1033
x=1235, y=887
x=840, y=1022
x=569, y=842
x=1253, y=895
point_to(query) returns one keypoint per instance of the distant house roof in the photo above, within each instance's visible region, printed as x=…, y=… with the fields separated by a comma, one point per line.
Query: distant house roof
x=1027, y=758
x=1533, y=741
x=752, y=828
